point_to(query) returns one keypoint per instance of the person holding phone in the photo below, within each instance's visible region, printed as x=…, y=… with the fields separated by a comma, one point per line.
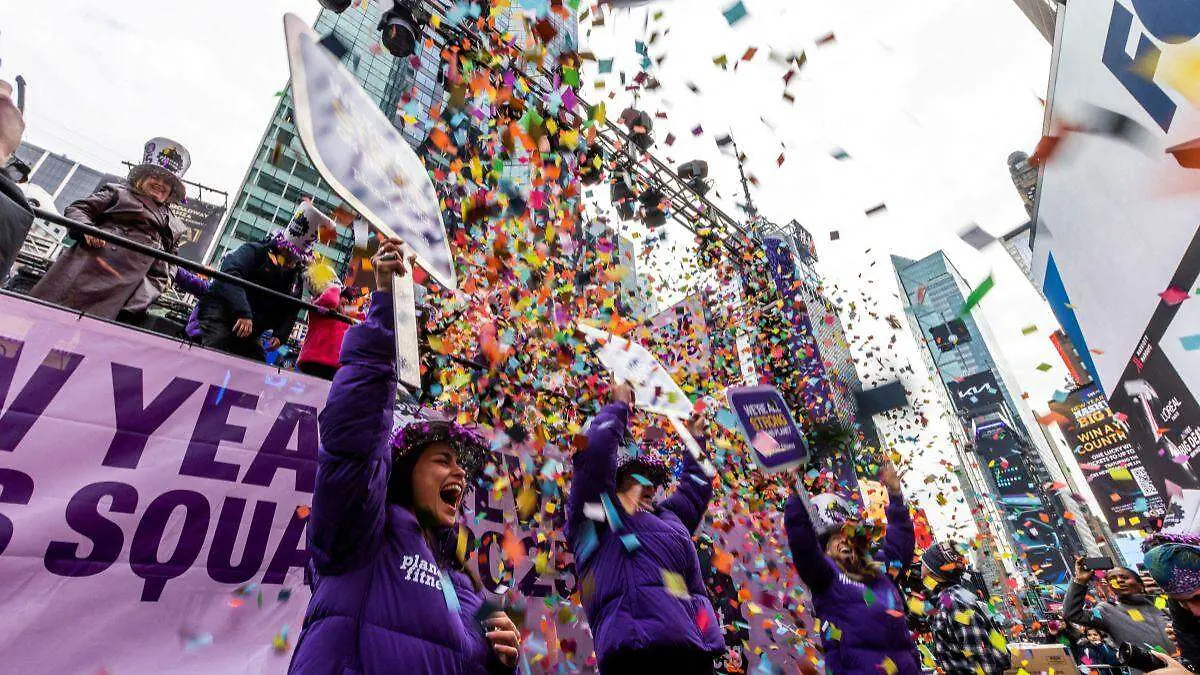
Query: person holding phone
x=391, y=593
x=854, y=594
x=640, y=579
x=1132, y=617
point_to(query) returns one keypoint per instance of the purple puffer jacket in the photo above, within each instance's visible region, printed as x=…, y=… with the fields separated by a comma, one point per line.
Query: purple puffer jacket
x=858, y=635
x=621, y=568
x=380, y=599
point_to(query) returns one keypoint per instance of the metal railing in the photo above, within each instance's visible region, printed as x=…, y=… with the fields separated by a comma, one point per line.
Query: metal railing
x=77, y=228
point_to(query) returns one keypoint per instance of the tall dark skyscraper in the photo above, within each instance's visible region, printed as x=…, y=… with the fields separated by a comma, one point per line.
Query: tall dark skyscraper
x=1016, y=478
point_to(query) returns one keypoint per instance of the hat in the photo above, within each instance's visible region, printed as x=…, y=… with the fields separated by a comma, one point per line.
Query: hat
x=419, y=434
x=650, y=466
x=1173, y=559
x=166, y=159
x=944, y=560
x=301, y=233
x=830, y=514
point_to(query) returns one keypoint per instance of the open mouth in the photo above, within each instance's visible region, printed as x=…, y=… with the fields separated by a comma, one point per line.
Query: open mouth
x=450, y=494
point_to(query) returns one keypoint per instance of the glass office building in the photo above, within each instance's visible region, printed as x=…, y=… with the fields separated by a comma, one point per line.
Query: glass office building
x=280, y=175
x=1014, y=472
x=65, y=179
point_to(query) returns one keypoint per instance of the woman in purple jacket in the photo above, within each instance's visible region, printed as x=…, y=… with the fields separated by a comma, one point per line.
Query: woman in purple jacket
x=862, y=614
x=389, y=594
x=639, y=573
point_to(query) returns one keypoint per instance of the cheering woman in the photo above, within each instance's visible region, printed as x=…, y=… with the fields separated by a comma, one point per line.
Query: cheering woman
x=640, y=577
x=389, y=593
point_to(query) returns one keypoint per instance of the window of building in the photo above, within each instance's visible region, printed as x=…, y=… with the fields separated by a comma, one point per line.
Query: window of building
x=51, y=173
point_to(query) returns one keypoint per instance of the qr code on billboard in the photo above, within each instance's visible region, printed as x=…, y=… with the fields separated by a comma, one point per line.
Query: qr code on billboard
x=1143, y=480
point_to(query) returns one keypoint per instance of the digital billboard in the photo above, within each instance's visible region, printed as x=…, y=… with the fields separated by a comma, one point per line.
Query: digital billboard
x=1110, y=460
x=1117, y=245
x=1018, y=493
x=974, y=392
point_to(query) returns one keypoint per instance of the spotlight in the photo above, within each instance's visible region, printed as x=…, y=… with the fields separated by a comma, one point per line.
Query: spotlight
x=640, y=125
x=653, y=214
x=622, y=195
x=399, y=28
x=693, y=174
x=338, y=6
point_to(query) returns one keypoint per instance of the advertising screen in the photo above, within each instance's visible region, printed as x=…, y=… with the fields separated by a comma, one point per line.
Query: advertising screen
x=1117, y=246
x=1109, y=459
x=1019, y=496
x=202, y=220
x=975, y=391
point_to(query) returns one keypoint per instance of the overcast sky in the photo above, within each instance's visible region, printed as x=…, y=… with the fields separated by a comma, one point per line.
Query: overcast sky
x=928, y=97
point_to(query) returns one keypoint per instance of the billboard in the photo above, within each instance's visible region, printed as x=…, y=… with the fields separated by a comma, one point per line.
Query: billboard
x=1019, y=496
x=974, y=392
x=202, y=221
x=1109, y=459
x=1117, y=245
x=815, y=394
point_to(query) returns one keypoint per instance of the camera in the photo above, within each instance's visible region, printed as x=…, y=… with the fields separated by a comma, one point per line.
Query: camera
x=1138, y=657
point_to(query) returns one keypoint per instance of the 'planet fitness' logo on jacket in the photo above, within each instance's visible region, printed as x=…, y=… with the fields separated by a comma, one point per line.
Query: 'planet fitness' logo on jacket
x=421, y=571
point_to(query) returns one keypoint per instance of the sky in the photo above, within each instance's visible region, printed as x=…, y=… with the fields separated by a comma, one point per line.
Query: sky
x=927, y=97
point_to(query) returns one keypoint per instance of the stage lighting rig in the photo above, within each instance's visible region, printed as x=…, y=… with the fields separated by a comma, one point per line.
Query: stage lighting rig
x=400, y=27
x=640, y=126
x=693, y=174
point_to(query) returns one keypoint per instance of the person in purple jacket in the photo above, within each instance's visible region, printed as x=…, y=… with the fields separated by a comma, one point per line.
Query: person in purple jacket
x=640, y=578
x=389, y=593
x=863, y=627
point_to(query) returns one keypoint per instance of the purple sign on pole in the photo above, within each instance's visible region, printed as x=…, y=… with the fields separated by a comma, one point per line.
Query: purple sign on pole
x=768, y=426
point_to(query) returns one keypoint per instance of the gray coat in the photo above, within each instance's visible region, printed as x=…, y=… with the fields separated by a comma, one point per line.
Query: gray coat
x=104, y=281
x=1115, y=619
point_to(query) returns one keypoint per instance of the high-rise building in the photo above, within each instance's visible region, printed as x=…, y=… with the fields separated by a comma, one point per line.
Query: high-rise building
x=1016, y=477
x=1042, y=13
x=280, y=174
x=65, y=179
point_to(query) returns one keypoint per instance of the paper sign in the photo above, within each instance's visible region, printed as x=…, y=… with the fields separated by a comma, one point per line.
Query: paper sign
x=654, y=390
x=408, y=350
x=361, y=155
x=767, y=424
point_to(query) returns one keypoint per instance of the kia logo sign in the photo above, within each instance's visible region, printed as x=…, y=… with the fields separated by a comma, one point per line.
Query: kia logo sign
x=976, y=391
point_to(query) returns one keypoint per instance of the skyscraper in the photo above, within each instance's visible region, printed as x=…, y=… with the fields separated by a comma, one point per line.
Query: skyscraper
x=1015, y=476
x=1042, y=13
x=280, y=175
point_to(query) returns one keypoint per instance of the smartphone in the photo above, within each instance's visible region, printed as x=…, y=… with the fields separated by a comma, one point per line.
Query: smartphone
x=21, y=94
x=1098, y=564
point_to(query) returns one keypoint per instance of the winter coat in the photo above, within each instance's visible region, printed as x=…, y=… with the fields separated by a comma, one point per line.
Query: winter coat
x=16, y=217
x=1187, y=633
x=323, y=343
x=253, y=262
x=1146, y=624
x=103, y=281
x=382, y=600
x=623, y=562
x=860, y=631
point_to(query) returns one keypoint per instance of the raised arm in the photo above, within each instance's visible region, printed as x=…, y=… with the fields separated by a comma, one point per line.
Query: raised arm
x=692, y=495
x=355, y=458
x=815, y=569
x=901, y=537
x=594, y=468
